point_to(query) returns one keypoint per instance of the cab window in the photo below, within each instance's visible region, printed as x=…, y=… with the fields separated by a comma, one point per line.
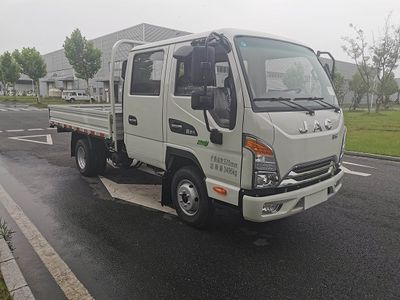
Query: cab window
x=146, y=73
x=224, y=112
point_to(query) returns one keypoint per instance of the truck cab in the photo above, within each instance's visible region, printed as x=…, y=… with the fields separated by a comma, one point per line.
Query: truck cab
x=271, y=141
x=239, y=117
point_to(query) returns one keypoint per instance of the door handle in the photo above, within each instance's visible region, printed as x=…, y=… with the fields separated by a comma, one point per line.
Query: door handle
x=132, y=120
x=176, y=126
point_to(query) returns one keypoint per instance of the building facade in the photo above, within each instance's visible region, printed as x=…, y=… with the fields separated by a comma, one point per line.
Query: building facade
x=60, y=74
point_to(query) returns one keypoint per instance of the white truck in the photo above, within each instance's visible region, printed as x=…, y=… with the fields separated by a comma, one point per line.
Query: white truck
x=244, y=118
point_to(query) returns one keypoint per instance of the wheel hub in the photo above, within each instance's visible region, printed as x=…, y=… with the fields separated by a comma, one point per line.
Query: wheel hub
x=188, y=197
x=81, y=157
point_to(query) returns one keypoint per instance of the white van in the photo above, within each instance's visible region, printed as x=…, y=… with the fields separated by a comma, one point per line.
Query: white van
x=243, y=118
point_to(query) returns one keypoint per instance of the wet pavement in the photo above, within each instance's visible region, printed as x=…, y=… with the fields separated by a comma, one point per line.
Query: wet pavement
x=347, y=247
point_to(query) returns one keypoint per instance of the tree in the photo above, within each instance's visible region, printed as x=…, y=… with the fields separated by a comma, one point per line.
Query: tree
x=339, y=83
x=294, y=77
x=32, y=65
x=386, y=89
x=358, y=50
x=9, y=70
x=359, y=89
x=82, y=56
x=386, y=54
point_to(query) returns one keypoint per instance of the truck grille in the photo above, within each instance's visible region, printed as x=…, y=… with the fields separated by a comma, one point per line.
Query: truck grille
x=315, y=170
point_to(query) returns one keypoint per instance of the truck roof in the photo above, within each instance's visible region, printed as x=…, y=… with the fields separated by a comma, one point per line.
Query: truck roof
x=228, y=32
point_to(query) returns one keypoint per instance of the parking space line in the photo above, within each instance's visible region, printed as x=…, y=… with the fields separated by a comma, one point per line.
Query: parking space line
x=355, y=172
x=358, y=165
x=30, y=129
x=62, y=274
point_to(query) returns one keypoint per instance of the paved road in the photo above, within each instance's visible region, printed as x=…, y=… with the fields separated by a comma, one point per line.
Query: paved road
x=347, y=247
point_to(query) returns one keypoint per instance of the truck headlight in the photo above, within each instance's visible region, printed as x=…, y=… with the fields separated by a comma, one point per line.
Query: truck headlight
x=265, y=167
x=343, y=146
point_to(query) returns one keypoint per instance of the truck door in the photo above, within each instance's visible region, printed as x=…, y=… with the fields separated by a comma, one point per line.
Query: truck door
x=143, y=103
x=186, y=127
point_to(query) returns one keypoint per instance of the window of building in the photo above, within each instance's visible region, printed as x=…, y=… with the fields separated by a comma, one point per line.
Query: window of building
x=146, y=73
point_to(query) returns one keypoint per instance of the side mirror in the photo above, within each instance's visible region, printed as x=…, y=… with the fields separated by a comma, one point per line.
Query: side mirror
x=202, y=102
x=183, y=52
x=123, y=69
x=328, y=70
x=203, y=66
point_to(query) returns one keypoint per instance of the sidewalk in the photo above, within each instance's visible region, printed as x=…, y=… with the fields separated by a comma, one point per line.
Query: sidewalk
x=12, y=275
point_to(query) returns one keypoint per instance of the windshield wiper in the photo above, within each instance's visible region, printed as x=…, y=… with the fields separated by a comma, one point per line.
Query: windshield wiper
x=287, y=101
x=321, y=101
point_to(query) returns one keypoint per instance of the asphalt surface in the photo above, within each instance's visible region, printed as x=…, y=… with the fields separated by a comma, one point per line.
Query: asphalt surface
x=347, y=247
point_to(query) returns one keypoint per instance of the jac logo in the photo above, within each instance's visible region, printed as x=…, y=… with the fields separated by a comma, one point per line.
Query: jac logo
x=316, y=126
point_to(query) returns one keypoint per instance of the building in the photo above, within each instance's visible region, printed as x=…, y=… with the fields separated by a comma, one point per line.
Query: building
x=61, y=75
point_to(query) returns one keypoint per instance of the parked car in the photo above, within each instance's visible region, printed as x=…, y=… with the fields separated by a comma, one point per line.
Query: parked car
x=75, y=95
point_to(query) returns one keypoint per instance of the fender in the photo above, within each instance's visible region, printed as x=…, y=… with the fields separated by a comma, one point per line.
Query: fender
x=174, y=159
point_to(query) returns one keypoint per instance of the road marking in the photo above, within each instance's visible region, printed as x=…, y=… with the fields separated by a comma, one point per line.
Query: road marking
x=35, y=129
x=2, y=109
x=354, y=172
x=15, y=130
x=353, y=164
x=28, y=138
x=144, y=195
x=62, y=274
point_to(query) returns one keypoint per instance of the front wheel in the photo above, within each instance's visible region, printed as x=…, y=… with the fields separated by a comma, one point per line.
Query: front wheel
x=189, y=196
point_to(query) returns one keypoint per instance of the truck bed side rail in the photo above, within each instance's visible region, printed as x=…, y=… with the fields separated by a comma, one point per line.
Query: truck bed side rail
x=114, y=51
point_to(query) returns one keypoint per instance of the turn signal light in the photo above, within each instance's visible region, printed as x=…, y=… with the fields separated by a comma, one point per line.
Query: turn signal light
x=258, y=148
x=220, y=190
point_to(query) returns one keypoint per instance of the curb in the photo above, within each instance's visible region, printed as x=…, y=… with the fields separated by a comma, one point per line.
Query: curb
x=15, y=281
x=369, y=155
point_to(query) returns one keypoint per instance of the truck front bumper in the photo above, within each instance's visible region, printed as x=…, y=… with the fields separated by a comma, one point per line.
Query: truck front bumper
x=290, y=203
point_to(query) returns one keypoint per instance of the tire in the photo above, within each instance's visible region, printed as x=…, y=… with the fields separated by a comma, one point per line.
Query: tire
x=84, y=158
x=100, y=159
x=189, y=196
x=71, y=100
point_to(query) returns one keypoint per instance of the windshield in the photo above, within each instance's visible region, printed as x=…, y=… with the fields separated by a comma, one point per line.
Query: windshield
x=279, y=71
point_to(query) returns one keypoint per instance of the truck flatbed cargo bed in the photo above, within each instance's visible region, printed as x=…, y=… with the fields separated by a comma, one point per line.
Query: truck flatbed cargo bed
x=91, y=119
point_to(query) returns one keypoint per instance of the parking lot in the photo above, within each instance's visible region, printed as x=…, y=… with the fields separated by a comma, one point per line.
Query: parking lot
x=112, y=245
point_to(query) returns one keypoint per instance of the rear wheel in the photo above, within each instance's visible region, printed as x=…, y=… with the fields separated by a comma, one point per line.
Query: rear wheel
x=189, y=196
x=85, y=160
x=90, y=161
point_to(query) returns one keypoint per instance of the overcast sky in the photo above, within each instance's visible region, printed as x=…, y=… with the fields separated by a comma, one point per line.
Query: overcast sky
x=44, y=24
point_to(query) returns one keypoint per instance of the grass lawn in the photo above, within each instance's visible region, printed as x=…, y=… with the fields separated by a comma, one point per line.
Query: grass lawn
x=30, y=101
x=373, y=133
x=3, y=290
